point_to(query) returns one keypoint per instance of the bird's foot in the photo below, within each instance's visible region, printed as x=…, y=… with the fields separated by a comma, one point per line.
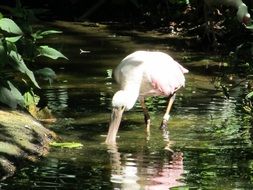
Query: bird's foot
x=168, y=147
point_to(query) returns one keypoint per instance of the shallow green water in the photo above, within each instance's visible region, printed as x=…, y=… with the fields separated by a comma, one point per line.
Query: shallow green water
x=210, y=138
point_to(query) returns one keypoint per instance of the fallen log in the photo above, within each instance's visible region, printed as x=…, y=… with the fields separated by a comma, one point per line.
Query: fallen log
x=22, y=139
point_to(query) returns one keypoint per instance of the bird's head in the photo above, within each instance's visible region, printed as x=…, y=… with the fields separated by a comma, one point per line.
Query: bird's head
x=125, y=99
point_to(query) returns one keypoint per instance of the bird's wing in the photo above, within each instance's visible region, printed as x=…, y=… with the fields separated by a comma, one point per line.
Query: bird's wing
x=166, y=76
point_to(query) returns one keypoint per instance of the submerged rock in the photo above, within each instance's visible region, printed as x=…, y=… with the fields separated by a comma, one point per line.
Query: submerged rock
x=22, y=139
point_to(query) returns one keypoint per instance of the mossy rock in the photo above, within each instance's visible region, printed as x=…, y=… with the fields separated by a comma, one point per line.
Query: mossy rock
x=22, y=139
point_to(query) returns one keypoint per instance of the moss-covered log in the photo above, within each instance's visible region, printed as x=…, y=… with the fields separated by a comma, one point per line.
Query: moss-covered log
x=22, y=139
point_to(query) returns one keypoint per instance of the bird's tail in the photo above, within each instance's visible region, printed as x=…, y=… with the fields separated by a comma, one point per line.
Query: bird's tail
x=184, y=70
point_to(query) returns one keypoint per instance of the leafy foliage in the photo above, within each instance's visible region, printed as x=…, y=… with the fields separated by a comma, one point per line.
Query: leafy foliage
x=50, y=52
x=11, y=96
x=248, y=103
x=18, y=64
x=10, y=26
x=242, y=59
x=46, y=74
x=15, y=76
x=30, y=98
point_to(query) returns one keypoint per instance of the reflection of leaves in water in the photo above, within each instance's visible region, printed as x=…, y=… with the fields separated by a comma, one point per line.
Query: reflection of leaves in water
x=109, y=73
x=105, y=99
x=230, y=131
x=155, y=104
x=57, y=98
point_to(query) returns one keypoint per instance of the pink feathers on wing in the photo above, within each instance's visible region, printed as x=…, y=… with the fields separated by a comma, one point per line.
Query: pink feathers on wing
x=150, y=73
x=166, y=75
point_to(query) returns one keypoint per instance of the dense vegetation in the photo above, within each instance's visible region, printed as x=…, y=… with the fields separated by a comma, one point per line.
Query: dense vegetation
x=19, y=49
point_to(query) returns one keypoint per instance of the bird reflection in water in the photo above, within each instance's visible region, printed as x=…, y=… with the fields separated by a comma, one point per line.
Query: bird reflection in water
x=168, y=175
x=135, y=172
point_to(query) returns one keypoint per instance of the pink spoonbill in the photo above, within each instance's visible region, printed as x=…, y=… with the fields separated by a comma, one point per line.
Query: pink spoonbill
x=142, y=74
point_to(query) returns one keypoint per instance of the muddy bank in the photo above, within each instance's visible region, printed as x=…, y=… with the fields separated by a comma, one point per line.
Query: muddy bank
x=22, y=139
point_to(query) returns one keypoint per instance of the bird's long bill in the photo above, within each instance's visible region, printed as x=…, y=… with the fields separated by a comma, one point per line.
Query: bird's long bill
x=116, y=116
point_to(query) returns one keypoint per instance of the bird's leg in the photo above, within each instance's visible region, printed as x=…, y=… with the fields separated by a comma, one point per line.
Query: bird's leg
x=146, y=114
x=166, y=117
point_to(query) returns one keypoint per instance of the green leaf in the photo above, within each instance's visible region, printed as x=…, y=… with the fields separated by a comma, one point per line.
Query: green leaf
x=19, y=64
x=249, y=95
x=46, y=74
x=10, y=26
x=11, y=46
x=30, y=98
x=49, y=32
x=50, y=52
x=36, y=35
x=3, y=54
x=250, y=27
x=11, y=96
x=41, y=34
x=13, y=39
x=66, y=145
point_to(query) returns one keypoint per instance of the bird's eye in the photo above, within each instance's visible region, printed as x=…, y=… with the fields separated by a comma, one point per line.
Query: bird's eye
x=122, y=107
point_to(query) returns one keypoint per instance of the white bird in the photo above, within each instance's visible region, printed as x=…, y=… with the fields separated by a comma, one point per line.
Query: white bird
x=141, y=74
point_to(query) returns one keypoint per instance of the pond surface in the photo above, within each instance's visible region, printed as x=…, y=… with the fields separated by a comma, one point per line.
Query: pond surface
x=210, y=143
